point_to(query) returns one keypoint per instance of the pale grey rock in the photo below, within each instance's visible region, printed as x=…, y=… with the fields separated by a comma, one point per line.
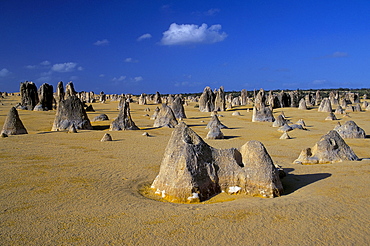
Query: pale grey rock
x=350, y=130
x=13, y=124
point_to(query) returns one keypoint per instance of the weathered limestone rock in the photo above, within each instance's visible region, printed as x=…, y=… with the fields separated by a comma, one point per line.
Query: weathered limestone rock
x=90, y=108
x=72, y=129
x=280, y=121
x=330, y=148
x=45, y=94
x=178, y=108
x=155, y=114
x=215, y=133
x=124, y=120
x=325, y=106
x=236, y=113
x=285, y=136
x=350, y=130
x=193, y=171
x=285, y=128
x=106, y=137
x=13, y=124
x=29, y=96
x=70, y=90
x=101, y=117
x=243, y=97
x=331, y=116
x=220, y=102
x=339, y=110
x=142, y=99
x=301, y=122
x=215, y=122
x=71, y=111
x=157, y=98
x=302, y=104
x=206, y=101
x=59, y=95
x=165, y=117
x=262, y=114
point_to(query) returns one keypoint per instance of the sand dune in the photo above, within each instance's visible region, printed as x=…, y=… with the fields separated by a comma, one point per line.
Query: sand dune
x=58, y=188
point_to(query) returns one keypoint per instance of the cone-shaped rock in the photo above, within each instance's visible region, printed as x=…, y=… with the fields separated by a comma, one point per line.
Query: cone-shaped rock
x=215, y=122
x=124, y=120
x=106, y=137
x=302, y=104
x=331, y=116
x=280, y=121
x=236, y=113
x=301, y=122
x=13, y=124
x=71, y=111
x=285, y=128
x=330, y=148
x=285, y=136
x=325, y=105
x=207, y=100
x=215, y=133
x=350, y=130
x=178, y=108
x=192, y=171
x=165, y=117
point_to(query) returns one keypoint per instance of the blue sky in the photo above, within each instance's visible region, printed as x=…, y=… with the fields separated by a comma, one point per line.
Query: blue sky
x=182, y=46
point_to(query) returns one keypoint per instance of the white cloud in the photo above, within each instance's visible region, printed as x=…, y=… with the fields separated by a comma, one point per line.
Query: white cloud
x=139, y=78
x=103, y=42
x=80, y=68
x=144, y=36
x=31, y=66
x=101, y=75
x=130, y=60
x=45, y=63
x=121, y=78
x=319, y=81
x=339, y=54
x=212, y=12
x=73, y=78
x=190, y=34
x=4, y=72
x=64, y=67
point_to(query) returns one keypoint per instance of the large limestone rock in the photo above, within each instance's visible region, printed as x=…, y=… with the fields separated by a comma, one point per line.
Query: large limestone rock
x=70, y=90
x=325, y=105
x=157, y=98
x=243, y=97
x=13, y=124
x=215, y=133
x=29, y=96
x=45, y=93
x=193, y=171
x=124, y=120
x=178, y=108
x=330, y=148
x=220, y=104
x=350, y=130
x=165, y=117
x=302, y=104
x=71, y=111
x=206, y=101
x=262, y=113
x=280, y=121
x=215, y=122
x=59, y=95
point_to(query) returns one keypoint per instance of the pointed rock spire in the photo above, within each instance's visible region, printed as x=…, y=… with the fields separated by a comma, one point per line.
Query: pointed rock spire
x=13, y=124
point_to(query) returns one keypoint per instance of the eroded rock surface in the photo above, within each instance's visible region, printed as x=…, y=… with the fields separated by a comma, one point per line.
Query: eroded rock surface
x=13, y=124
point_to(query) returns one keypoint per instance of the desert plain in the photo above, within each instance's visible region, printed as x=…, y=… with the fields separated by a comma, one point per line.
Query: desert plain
x=59, y=188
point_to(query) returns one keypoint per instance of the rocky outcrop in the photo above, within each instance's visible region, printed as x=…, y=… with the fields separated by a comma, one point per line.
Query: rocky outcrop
x=165, y=117
x=45, y=94
x=325, y=106
x=13, y=124
x=350, y=130
x=107, y=137
x=193, y=171
x=178, y=108
x=215, y=122
x=330, y=148
x=124, y=120
x=101, y=117
x=220, y=103
x=71, y=111
x=29, y=96
x=206, y=101
x=261, y=112
x=215, y=133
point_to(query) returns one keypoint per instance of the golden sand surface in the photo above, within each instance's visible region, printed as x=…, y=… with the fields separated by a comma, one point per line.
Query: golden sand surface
x=59, y=188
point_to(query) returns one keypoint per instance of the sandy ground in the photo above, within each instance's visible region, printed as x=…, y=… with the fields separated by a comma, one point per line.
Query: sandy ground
x=58, y=188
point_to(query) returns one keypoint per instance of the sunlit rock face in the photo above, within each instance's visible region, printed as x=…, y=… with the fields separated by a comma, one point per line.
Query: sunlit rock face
x=165, y=117
x=124, y=120
x=350, y=130
x=13, y=124
x=330, y=148
x=193, y=171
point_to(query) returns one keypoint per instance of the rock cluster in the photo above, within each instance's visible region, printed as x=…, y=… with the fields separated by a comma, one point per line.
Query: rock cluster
x=193, y=171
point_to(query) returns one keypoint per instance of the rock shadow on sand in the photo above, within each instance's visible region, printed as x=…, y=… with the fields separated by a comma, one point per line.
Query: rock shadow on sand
x=293, y=182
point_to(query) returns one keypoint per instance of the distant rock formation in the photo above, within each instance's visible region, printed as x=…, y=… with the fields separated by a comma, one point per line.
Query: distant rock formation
x=325, y=105
x=331, y=116
x=215, y=122
x=302, y=104
x=29, y=96
x=206, y=101
x=142, y=99
x=59, y=95
x=13, y=124
x=261, y=112
x=285, y=136
x=350, y=130
x=157, y=98
x=193, y=171
x=280, y=121
x=220, y=103
x=70, y=90
x=165, y=117
x=244, y=97
x=178, y=108
x=45, y=94
x=124, y=120
x=101, y=117
x=106, y=137
x=215, y=133
x=330, y=148
x=71, y=111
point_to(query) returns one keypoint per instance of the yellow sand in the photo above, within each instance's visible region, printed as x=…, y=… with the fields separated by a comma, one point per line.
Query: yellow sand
x=59, y=188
